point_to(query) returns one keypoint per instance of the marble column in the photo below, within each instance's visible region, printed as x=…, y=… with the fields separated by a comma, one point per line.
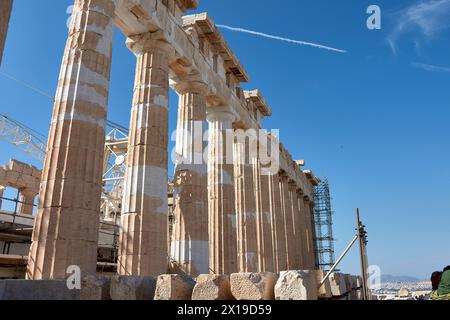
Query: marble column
x=5, y=13
x=267, y=226
x=221, y=194
x=245, y=209
x=279, y=232
x=310, y=254
x=26, y=202
x=143, y=245
x=297, y=227
x=315, y=258
x=287, y=213
x=256, y=166
x=303, y=231
x=66, y=226
x=190, y=241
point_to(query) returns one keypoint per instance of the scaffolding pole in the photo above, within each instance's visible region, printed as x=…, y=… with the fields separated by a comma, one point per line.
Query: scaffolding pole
x=323, y=220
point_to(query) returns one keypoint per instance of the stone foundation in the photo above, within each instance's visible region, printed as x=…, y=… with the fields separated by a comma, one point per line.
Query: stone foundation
x=291, y=285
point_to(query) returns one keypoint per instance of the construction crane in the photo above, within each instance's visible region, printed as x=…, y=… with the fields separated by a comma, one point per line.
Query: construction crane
x=21, y=136
x=32, y=143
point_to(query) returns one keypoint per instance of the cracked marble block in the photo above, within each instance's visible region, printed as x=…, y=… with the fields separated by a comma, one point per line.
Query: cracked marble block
x=212, y=287
x=253, y=286
x=325, y=288
x=174, y=287
x=132, y=288
x=296, y=285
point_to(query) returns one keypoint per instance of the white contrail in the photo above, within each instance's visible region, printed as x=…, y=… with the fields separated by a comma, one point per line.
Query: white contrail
x=265, y=35
x=430, y=67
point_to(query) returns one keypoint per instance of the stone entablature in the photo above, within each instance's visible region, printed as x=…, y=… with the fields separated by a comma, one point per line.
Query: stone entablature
x=138, y=17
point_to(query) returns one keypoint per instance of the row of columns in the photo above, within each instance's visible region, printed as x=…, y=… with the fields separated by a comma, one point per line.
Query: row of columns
x=268, y=228
x=271, y=219
x=228, y=217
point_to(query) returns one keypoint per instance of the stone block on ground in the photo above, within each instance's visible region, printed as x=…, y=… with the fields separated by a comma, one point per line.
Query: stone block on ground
x=132, y=288
x=95, y=288
x=212, y=287
x=348, y=282
x=37, y=290
x=253, y=286
x=353, y=284
x=174, y=287
x=338, y=286
x=296, y=285
x=353, y=295
x=325, y=289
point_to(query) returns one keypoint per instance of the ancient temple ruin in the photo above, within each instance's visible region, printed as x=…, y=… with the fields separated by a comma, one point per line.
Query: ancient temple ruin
x=241, y=204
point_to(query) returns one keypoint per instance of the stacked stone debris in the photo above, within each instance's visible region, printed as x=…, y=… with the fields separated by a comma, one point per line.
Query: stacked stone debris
x=288, y=285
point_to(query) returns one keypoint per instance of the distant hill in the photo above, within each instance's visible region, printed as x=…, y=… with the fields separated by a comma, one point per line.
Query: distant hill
x=390, y=278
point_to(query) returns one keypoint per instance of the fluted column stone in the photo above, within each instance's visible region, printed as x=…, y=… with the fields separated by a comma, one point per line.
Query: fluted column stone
x=190, y=240
x=287, y=214
x=279, y=232
x=265, y=221
x=245, y=208
x=143, y=246
x=221, y=194
x=66, y=226
x=296, y=225
x=310, y=255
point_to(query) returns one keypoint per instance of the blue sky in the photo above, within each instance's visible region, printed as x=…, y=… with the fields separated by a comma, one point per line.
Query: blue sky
x=373, y=120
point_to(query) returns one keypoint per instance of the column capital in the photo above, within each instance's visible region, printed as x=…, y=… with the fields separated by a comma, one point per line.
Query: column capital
x=147, y=42
x=220, y=114
x=191, y=86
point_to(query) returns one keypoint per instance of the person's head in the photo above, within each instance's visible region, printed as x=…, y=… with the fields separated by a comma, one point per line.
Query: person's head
x=446, y=268
x=436, y=279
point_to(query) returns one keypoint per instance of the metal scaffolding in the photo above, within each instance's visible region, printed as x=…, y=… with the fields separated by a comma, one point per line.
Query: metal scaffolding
x=22, y=137
x=323, y=219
